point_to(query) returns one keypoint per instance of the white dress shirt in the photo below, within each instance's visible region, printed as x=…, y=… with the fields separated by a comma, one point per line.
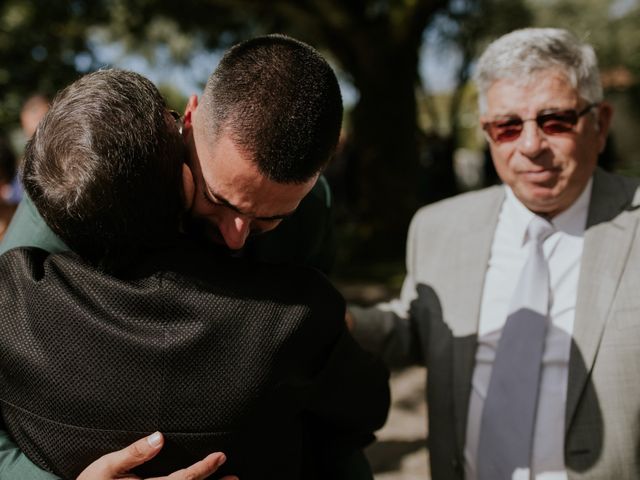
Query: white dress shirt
x=509, y=251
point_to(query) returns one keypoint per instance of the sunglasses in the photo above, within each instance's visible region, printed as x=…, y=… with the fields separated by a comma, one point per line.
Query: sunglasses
x=555, y=122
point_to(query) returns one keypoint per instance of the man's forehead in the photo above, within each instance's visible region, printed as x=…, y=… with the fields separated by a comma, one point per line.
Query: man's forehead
x=233, y=180
x=230, y=175
x=544, y=89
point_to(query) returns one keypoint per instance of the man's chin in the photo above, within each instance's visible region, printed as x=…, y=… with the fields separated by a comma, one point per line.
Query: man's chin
x=544, y=202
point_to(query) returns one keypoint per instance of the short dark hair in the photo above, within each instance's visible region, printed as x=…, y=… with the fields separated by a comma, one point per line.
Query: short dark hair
x=104, y=167
x=280, y=101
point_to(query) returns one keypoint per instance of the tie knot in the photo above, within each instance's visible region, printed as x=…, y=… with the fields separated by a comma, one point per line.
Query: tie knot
x=539, y=229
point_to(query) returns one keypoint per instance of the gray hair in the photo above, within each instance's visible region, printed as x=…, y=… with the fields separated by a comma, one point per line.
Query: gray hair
x=522, y=53
x=104, y=168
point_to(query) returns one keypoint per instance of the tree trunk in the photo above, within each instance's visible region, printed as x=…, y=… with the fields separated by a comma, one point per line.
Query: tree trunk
x=385, y=136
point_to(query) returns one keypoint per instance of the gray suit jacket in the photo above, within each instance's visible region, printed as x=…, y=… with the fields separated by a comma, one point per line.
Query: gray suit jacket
x=435, y=323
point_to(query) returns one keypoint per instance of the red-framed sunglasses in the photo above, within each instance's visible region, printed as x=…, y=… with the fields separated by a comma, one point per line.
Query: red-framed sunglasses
x=551, y=122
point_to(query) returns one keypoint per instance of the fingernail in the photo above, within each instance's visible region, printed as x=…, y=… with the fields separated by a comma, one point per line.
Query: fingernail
x=154, y=439
x=222, y=458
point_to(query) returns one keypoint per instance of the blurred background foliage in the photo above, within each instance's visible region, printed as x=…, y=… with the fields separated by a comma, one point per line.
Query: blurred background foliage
x=406, y=142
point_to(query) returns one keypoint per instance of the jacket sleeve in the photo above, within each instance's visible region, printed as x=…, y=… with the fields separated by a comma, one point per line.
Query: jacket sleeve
x=388, y=329
x=351, y=393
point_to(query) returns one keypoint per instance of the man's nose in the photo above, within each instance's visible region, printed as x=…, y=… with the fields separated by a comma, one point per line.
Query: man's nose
x=235, y=231
x=531, y=140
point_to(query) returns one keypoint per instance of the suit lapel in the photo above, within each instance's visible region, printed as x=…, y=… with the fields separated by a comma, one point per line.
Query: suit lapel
x=473, y=248
x=607, y=241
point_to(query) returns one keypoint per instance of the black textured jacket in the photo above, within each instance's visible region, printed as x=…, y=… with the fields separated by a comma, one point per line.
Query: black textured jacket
x=217, y=353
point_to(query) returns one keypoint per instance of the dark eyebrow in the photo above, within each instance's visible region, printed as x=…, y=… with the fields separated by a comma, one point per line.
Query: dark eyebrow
x=215, y=198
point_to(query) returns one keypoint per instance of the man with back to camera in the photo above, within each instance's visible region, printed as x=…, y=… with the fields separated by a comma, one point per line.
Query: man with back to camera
x=522, y=300
x=132, y=332
x=287, y=110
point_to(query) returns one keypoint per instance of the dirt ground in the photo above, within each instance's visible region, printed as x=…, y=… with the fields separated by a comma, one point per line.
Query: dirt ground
x=400, y=451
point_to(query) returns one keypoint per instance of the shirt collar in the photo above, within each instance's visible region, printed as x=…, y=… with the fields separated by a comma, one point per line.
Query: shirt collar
x=572, y=221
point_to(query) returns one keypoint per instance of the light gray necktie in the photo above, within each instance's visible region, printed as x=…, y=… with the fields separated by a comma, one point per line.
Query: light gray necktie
x=508, y=416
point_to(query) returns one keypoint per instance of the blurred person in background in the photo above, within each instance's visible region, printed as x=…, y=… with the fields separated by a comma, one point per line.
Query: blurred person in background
x=7, y=174
x=33, y=109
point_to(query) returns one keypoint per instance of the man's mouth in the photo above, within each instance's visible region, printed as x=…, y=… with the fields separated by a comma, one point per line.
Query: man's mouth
x=540, y=175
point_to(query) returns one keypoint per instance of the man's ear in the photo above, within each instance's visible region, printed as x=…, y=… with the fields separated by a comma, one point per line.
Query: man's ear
x=189, y=110
x=188, y=187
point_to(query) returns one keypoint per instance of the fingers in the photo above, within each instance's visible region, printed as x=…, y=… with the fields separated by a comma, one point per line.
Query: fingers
x=349, y=320
x=201, y=469
x=138, y=452
x=116, y=464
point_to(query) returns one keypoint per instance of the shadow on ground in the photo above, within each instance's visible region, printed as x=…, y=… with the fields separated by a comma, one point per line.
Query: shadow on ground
x=387, y=455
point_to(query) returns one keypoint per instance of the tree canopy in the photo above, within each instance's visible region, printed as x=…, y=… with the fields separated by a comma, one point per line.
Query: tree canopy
x=375, y=44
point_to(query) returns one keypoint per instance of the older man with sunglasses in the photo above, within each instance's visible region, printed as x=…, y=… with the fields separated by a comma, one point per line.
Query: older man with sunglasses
x=522, y=299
